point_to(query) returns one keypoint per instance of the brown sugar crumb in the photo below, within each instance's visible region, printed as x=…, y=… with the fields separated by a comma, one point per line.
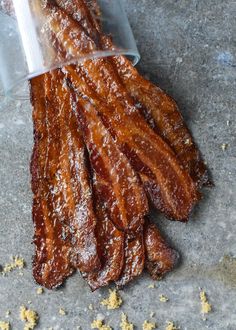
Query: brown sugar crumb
x=40, y=291
x=206, y=307
x=124, y=324
x=224, y=146
x=8, y=313
x=152, y=314
x=151, y=286
x=17, y=262
x=148, y=325
x=163, y=298
x=4, y=325
x=62, y=311
x=113, y=301
x=30, y=317
x=99, y=325
x=171, y=326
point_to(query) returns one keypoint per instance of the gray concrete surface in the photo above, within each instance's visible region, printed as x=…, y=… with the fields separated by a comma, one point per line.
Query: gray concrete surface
x=188, y=48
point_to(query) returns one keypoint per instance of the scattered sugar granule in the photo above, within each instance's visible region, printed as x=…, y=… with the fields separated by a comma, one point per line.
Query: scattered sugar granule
x=113, y=301
x=227, y=122
x=171, y=326
x=40, y=291
x=98, y=324
x=8, y=313
x=30, y=317
x=4, y=325
x=90, y=307
x=163, y=298
x=152, y=314
x=151, y=286
x=125, y=324
x=224, y=146
x=17, y=262
x=187, y=142
x=206, y=307
x=62, y=311
x=148, y=325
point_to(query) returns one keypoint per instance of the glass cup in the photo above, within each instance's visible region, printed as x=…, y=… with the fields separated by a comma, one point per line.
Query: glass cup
x=26, y=50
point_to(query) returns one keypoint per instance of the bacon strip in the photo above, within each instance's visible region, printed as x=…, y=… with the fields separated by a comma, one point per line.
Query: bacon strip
x=158, y=107
x=51, y=265
x=160, y=258
x=134, y=258
x=170, y=188
x=59, y=172
x=160, y=110
x=117, y=184
x=76, y=188
x=110, y=247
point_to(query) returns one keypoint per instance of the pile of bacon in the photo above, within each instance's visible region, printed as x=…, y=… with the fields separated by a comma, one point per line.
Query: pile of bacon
x=107, y=144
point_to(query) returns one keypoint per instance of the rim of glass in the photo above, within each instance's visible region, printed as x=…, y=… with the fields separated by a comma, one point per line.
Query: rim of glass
x=12, y=90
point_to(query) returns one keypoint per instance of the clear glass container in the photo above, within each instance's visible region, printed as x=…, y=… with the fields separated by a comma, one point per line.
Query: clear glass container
x=26, y=51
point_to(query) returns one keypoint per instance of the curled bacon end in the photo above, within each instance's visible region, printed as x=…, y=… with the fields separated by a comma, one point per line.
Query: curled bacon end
x=110, y=247
x=134, y=259
x=160, y=258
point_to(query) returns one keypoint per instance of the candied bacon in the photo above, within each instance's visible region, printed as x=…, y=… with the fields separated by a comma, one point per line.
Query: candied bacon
x=60, y=183
x=100, y=121
x=160, y=258
x=171, y=188
x=117, y=183
x=110, y=247
x=134, y=258
x=51, y=264
x=157, y=107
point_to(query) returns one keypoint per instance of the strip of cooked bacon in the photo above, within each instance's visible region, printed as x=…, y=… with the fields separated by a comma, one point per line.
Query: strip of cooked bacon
x=159, y=109
x=134, y=258
x=65, y=180
x=51, y=264
x=75, y=188
x=170, y=187
x=118, y=186
x=110, y=246
x=160, y=258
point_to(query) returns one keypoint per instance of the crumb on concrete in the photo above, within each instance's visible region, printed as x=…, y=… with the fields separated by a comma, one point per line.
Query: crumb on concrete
x=40, y=291
x=30, y=317
x=113, y=301
x=16, y=263
x=205, y=306
x=125, y=324
x=152, y=314
x=224, y=146
x=151, y=286
x=163, y=298
x=148, y=325
x=4, y=325
x=90, y=307
x=8, y=313
x=171, y=326
x=99, y=325
x=62, y=311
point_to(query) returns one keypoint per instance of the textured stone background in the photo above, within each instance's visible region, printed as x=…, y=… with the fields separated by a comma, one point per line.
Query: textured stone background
x=188, y=48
